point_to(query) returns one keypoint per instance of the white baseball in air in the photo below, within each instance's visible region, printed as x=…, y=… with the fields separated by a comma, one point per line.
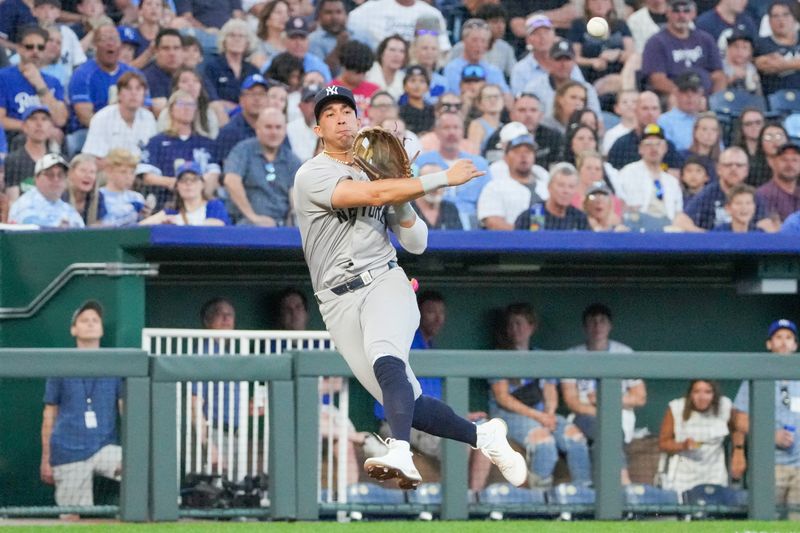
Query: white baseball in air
x=597, y=27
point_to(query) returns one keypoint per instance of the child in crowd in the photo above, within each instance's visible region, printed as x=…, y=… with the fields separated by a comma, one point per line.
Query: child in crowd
x=417, y=114
x=738, y=63
x=741, y=205
x=124, y=207
x=693, y=178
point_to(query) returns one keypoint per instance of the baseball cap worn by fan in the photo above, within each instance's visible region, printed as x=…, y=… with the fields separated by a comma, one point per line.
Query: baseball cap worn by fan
x=676, y=3
x=788, y=146
x=652, y=130
x=598, y=187
x=297, y=27
x=539, y=20
x=512, y=130
x=740, y=33
x=127, y=35
x=689, y=81
x=49, y=161
x=189, y=166
x=561, y=49
x=310, y=92
x=781, y=324
x=473, y=73
x=254, y=79
x=333, y=93
x=28, y=113
x=94, y=305
x=522, y=140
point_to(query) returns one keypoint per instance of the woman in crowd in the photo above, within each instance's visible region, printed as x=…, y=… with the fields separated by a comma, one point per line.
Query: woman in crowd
x=747, y=129
x=287, y=70
x=601, y=57
x=772, y=137
x=150, y=21
x=191, y=208
x=424, y=51
x=227, y=70
x=582, y=138
x=210, y=115
x=417, y=114
x=692, y=435
x=436, y=212
x=705, y=145
x=591, y=169
x=271, y=23
x=588, y=117
x=82, y=189
x=391, y=59
x=490, y=104
x=569, y=97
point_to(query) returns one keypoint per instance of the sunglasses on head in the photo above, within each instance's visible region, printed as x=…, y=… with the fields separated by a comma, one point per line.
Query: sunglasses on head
x=473, y=71
x=451, y=106
x=31, y=47
x=434, y=33
x=682, y=8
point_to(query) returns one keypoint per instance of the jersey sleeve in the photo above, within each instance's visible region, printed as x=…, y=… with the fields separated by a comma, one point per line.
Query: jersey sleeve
x=79, y=87
x=216, y=209
x=52, y=391
x=316, y=185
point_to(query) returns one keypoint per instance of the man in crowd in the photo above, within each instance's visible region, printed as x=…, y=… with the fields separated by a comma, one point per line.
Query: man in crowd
x=626, y=149
x=356, y=59
x=678, y=48
x=36, y=125
x=252, y=100
x=79, y=423
x=381, y=18
x=678, y=122
x=169, y=58
x=557, y=212
x=42, y=205
x=297, y=44
x=725, y=18
x=300, y=131
x=780, y=196
x=647, y=21
x=259, y=174
x=776, y=56
x=331, y=31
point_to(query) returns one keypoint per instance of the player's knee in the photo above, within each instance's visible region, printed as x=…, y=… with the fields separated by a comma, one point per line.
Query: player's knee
x=573, y=433
x=539, y=436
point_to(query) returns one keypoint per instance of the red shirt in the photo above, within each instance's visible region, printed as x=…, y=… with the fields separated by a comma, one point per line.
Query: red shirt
x=362, y=94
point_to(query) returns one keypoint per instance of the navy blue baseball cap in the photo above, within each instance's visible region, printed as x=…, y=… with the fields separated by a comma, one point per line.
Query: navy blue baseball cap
x=782, y=324
x=254, y=79
x=297, y=27
x=473, y=72
x=35, y=109
x=333, y=93
x=188, y=166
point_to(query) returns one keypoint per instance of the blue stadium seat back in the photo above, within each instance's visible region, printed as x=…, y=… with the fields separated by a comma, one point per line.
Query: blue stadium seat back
x=708, y=494
x=610, y=120
x=571, y=494
x=426, y=494
x=644, y=494
x=371, y=493
x=505, y=494
x=785, y=101
x=734, y=101
x=792, y=125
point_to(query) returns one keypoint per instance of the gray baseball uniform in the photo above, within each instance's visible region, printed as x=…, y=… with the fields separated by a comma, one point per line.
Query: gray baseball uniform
x=346, y=245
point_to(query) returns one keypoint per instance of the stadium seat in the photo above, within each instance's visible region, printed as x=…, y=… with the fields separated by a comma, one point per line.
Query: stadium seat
x=732, y=102
x=785, y=102
x=709, y=494
x=792, y=126
x=370, y=493
x=643, y=494
x=507, y=494
x=570, y=494
x=426, y=494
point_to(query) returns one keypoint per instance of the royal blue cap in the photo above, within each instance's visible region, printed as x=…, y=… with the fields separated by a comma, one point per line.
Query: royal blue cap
x=782, y=324
x=35, y=109
x=254, y=79
x=189, y=166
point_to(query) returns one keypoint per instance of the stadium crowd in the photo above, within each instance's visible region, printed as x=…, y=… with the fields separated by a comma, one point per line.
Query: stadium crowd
x=684, y=117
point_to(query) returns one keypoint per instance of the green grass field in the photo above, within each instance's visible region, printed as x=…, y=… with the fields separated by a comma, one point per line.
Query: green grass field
x=474, y=526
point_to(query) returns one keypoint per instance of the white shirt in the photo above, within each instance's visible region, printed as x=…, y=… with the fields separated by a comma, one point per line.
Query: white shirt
x=636, y=188
x=302, y=138
x=612, y=135
x=382, y=18
x=375, y=75
x=505, y=197
x=72, y=53
x=108, y=130
x=499, y=169
x=33, y=208
x=642, y=27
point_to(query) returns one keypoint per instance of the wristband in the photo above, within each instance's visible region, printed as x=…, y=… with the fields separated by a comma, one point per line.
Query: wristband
x=434, y=181
x=404, y=212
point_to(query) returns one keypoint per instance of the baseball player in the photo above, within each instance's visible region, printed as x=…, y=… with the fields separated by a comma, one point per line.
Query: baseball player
x=366, y=299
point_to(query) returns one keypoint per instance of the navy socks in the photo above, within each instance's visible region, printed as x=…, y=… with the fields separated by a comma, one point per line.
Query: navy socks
x=398, y=395
x=437, y=418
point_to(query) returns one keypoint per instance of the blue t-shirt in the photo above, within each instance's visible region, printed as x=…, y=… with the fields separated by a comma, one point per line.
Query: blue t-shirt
x=17, y=94
x=787, y=413
x=792, y=224
x=71, y=440
x=122, y=208
x=789, y=79
x=672, y=56
x=14, y=15
x=91, y=84
x=211, y=13
x=214, y=209
x=711, y=23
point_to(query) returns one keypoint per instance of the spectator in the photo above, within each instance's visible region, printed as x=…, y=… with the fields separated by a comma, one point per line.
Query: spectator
x=191, y=208
x=527, y=110
x=300, y=131
x=23, y=86
x=694, y=176
x=149, y=23
x=192, y=52
x=167, y=151
x=387, y=71
x=569, y=97
x=557, y=212
x=601, y=59
x=746, y=132
x=679, y=48
x=47, y=13
x=356, y=59
x=473, y=78
x=210, y=115
x=560, y=66
x=271, y=24
x=561, y=12
x=791, y=225
x=490, y=105
x=259, y=174
x=740, y=71
x=168, y=59
x=707, y=209
x=207, y=17
x=598, y=204
x=740, y=204
x=382, y=18
x=417, y=114
x=591, y=169
x=331, y=32
x=126, y=124
x=776, y=54
x=693, y=435
x=644, y=186
x=436, y=212
x=424, y=51
x=83, y=192
x=529, y=408
x=253, y=100
x=780, y=195
x=42, y=205
x=475, y=36
x=449, y=129
x=278, y=97
x=14, y=16
x=514, y=188
x=626, y=149
x=580, y=395
x=679, y=121
x=91, y=16
x=226, y=71
x=447, y=103
x=51, y=64
x=124, y=207
x=727, y=17
x=500, y=53
x=79, y=423
x=625, y=109
x=296, y=44
x=770, y=139
x=705, y=143
x=19, y=174
x=90, y=85
x=781, y=339
x=582, y=138
x=647, y=21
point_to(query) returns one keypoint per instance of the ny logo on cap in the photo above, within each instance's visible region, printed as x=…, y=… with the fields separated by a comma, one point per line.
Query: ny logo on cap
x=333, y=89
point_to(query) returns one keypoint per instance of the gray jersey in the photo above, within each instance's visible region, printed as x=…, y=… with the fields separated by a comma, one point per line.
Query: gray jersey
x=338, y=243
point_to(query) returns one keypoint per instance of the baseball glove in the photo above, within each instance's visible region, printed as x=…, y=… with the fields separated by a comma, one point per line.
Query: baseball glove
x=380, y=154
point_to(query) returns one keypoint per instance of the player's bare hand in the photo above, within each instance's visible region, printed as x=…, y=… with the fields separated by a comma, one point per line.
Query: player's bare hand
x=263, y=221
x=462, y=171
